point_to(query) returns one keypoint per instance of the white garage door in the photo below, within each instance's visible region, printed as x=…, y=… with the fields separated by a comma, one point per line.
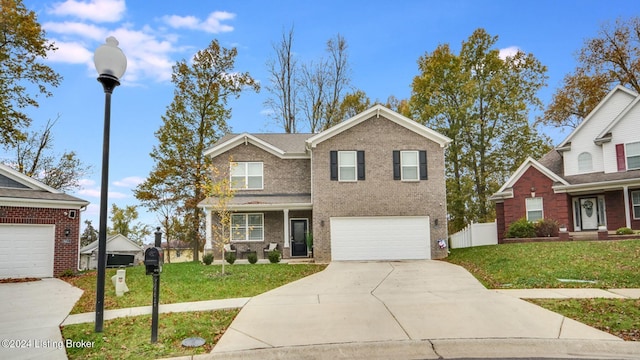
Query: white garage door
x=26, y=251
x=380, y=238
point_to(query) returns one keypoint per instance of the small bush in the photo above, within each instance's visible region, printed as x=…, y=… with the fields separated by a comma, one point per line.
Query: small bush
x=521, y=229
x=546, y=228
x=207, y=259
x=624, y=231
x=252, y=257
x=230, y=257
x=68, y=273
x=274, y=256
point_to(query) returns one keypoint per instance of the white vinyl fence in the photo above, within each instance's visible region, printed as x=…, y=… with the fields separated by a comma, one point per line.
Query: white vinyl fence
x=475, y=235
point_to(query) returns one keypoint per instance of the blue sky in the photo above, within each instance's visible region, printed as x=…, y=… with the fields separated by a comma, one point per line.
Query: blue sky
x=385, y=40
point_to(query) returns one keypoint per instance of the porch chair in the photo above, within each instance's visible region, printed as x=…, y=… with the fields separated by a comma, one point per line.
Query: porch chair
x=272, y=246
x=228, y=248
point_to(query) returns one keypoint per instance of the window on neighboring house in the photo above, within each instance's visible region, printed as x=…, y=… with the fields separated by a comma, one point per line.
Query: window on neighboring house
x=633, y=155
x=346, y=165
x=635, y=199
x=585, y=162
x=247, y=227
x=534, y=209
x=410, y=165
x=246, y=175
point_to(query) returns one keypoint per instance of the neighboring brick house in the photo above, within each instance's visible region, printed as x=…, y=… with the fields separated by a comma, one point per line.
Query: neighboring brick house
x=39, y=227
x=590, y=181
x=369, y=188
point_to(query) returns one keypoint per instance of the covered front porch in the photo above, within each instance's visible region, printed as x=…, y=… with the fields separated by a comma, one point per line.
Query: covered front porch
x=260, y=220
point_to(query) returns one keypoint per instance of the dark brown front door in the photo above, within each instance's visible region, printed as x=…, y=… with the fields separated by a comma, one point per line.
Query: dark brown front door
x=298, y=234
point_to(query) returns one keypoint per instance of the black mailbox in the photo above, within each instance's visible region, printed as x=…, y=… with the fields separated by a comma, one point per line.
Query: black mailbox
x=153, y=260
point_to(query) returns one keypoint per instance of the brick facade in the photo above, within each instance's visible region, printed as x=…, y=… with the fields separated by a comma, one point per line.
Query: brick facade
x=378, y=194
x=65, y=248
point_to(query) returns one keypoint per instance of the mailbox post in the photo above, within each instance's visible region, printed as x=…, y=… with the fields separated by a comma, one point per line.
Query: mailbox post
x=153, y=260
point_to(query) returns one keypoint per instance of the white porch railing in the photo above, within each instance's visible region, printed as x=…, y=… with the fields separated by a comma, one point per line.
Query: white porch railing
x=475, y=235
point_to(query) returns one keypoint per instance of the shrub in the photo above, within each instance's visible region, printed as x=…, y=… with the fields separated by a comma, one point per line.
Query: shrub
x=207, y=259
x=546, y=228
x=521, y=229
x=274, y=256
x=624, y=231
x=230, y=257
x=68, y=273
x=252, y=257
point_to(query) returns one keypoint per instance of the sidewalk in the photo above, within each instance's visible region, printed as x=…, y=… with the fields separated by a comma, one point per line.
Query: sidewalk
x=580, y=293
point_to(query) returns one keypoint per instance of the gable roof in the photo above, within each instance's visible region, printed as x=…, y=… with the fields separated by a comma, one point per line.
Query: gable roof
x=530, y=162
x=379, y=110
x=291, y=146
x=115, y=243
x=611, y=93
x=606, y=131
x=18, y=189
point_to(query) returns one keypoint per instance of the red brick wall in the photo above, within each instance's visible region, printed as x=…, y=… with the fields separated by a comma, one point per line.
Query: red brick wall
x=555, y=206
x=65, y=248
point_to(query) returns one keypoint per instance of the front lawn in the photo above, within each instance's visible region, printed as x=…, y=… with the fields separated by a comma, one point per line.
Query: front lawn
x=191, y=281
x=599, y=264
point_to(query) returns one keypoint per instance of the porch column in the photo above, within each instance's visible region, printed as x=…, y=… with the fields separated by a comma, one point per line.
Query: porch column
x=627, y=211
x=208, y=245
x=286, y=228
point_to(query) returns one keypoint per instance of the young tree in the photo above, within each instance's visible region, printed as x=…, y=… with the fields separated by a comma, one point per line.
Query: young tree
x=89, y=235
x=219, y=189
x=283, y=71
x=609, y=59
x=194, y=121
x=482, y=103
x=33, y=158
x=22, y=46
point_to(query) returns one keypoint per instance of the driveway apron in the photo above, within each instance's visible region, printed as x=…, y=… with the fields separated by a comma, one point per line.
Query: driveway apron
x=30, y=318
x=355, y=302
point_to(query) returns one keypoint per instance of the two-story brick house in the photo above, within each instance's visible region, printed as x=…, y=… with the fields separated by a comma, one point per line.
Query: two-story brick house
x=590, y=181
x=369, y=188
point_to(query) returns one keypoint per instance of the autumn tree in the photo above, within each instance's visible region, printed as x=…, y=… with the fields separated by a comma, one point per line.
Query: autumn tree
x=481, y=101
x=23, y=76
x=194, y=121
x=220, y=191
x=33, y=157
x=609, y=59
x=123, y=222
x=89, y=235
x=283, y=72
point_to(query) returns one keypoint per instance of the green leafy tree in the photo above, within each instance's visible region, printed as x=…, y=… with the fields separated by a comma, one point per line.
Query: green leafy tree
x=481, y=101
x=22, y=47
x=609, y=59
x=89, y=235
x=123, y=221
x=194, y=121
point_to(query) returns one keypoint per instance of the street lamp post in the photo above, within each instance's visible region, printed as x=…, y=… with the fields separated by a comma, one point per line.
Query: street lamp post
x=111, y=65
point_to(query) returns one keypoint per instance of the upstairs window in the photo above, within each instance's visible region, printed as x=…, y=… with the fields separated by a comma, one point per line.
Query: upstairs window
x=410, y=165
x=346, y=165
x=633, y=155
x=534, y=209
x=246, y=175
x=585, y=163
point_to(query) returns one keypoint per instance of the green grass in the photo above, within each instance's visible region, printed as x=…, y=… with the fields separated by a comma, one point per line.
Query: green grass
x=612, y=264
x=184, y=282
x=130, y=337
x=615, y=316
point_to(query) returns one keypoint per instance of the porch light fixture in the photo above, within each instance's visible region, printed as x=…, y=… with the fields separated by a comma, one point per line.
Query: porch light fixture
x=111, y=64
x=533, y=191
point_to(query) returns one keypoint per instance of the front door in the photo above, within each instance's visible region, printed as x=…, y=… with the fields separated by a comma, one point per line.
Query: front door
x=589, y=213
x=298, y=237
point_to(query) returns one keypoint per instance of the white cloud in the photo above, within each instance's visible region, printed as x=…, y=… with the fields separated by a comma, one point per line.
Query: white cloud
x=129, y=182
x=71, y=53
x=94, y=10
x=213, y=23
x=508, y=52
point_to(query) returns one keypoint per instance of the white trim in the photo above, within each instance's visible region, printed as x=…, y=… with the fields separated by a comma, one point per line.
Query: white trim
x=208, y=215
x=626, y=155
x=246, y=227
x=235, y=164
x=246, y=138
x=355, y=166
x=286, y=228
x=378, y=110
x=51, y=204
x=527, y=209
x=529, y=162
x=633, y=205
x=26, y=180
x=417, y=166
x=627, y=212
x=622, y=114
x=595, y=186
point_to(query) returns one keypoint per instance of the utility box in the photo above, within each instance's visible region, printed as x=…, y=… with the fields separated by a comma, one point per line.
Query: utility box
x=119, y=281
x=153, y=259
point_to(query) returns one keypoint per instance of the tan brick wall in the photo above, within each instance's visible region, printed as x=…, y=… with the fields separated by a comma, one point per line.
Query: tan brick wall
x=65, y=248
x=378, y=194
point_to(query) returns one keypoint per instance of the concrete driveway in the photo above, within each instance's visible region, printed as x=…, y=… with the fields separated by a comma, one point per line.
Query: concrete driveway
x=30, y=318
x=415, y=302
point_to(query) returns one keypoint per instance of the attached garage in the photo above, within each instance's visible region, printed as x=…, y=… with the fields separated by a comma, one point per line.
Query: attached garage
x=26, y=250
x=380, y=238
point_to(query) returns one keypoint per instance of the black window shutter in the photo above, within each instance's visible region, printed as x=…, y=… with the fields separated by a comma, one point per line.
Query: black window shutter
x=396, y=165
x=333, y=159
x=360, y=164
x=423, y=164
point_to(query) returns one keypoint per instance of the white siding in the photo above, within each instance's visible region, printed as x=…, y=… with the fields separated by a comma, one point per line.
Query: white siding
x=626, y=130
x=582, y=140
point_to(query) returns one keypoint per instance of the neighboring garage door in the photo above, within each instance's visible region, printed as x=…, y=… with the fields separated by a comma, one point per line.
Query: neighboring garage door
x=26, y=251
x=380, y=238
